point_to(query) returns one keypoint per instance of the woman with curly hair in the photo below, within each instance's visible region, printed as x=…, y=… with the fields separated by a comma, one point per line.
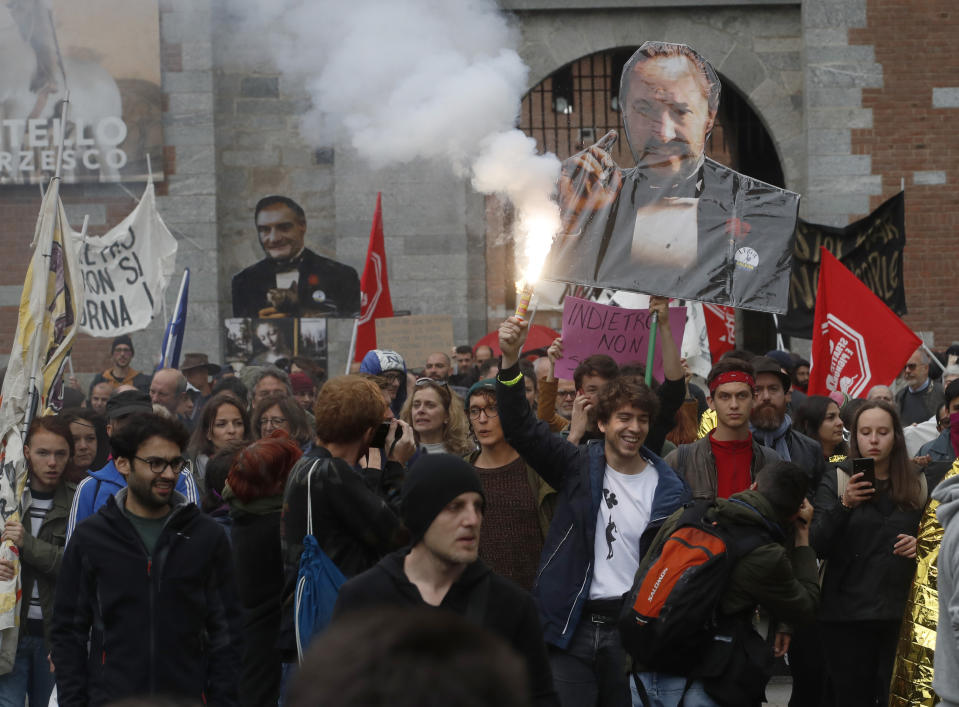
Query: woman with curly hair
x=438, y=419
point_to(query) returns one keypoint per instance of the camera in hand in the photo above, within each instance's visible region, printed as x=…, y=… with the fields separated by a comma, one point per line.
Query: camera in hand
x=382, y=433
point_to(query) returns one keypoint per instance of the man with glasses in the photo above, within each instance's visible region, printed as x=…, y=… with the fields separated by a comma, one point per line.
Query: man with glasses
x=146, y=590
x=520, y=503
x=98, y=486
x=921, y=396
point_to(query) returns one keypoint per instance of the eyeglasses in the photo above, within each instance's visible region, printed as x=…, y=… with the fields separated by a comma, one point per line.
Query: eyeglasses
x=943, y=423
x=420, y=382
x=566, y=393
x=911, y=366
x=476, y=412
x=158, y=464
x=272, y=421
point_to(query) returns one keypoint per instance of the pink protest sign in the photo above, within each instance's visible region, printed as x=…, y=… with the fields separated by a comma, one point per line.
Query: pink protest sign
x=590, y=328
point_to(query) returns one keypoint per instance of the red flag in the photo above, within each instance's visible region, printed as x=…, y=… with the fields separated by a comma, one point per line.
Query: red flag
x=720, y=328
x=374, y=288
x=858, y=342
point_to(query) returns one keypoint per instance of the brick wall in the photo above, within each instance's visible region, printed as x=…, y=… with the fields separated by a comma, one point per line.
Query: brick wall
x=913, y=137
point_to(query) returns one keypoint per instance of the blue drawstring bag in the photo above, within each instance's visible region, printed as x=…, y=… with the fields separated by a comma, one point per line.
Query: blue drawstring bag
x=318, y=583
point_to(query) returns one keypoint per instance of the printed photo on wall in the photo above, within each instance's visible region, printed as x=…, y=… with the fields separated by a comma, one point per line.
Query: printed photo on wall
x=272, y=340
x=239, y=340
x=292, y=281
x=312, y=339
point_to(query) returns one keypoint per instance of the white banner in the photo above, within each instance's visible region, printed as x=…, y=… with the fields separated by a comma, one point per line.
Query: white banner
x=125, y=272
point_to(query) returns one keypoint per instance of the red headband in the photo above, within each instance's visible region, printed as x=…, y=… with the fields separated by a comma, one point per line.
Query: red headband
x=731, y=377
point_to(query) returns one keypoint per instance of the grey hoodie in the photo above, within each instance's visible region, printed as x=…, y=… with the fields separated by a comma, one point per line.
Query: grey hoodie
x=945, y=679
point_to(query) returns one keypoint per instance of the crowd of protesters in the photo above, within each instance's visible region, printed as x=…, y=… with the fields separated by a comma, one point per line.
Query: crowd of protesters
x=165, y=519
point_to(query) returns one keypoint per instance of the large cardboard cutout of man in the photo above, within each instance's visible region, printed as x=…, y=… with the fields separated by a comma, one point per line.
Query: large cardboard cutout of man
x=677, y=223
x=292, y=280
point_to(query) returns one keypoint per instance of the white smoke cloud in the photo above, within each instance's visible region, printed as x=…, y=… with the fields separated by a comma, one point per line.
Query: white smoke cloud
x=408, y=79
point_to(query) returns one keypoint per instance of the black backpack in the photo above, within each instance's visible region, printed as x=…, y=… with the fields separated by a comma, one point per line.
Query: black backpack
x=670, y=618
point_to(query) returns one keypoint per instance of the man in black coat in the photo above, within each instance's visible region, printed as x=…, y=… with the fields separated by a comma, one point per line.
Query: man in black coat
x=303, y=283
x=443, y=505
x=152, y=577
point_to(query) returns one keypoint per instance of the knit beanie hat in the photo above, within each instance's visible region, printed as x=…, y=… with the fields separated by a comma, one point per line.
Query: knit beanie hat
x=431, y=483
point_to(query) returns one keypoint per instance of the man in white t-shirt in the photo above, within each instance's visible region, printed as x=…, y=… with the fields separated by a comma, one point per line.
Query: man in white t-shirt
x=612, y=496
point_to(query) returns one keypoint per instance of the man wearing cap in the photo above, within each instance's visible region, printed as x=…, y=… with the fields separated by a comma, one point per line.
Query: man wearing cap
x=121, y=373
x=727, y=459
x=198, y=369
x=392, y=366
x=443, y=505
x=98, y=486
x=772, y=427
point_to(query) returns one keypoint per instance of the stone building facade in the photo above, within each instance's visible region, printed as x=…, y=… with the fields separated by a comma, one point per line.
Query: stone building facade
x=857, y=96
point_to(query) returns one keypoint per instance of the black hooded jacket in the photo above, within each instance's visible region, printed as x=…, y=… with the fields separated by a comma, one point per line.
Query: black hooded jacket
x=509, y=611
x=163, y=624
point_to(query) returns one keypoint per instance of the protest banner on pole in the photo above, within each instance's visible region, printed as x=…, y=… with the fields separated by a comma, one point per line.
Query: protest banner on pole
x=415, y=337
x=591, y=328
x=46, y=328
x=858, y=342
x=125, y=272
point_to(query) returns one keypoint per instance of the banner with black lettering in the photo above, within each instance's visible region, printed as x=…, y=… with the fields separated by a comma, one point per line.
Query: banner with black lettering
x=125, y=272
x=870, y=247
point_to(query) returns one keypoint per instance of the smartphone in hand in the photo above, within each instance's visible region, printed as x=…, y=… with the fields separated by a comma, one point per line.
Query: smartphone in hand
x=867, y=467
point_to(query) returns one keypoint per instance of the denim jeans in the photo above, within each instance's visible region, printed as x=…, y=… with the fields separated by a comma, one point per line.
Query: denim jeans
x=667, y=690
x=31, y=675
x=591, y=672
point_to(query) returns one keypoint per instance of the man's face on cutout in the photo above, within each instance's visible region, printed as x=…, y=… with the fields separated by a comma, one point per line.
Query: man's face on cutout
x=667, y=116
x=281, y=233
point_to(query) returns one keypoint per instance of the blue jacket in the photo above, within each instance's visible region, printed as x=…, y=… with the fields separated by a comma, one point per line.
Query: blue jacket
x=939, y=449
x=566, y=565
x=94, y=491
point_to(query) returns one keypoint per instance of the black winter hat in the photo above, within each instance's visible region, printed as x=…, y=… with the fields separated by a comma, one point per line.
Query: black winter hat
x=431, y=483
x=122, y=339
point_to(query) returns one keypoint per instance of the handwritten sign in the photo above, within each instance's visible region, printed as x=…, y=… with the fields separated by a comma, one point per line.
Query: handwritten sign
x=590, y=328
x=125, y=272
x=415, y=337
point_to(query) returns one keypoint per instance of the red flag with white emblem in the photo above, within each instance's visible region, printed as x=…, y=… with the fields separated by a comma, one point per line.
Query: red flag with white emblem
x=858, y=342
x=374, y=288
x=720, y=328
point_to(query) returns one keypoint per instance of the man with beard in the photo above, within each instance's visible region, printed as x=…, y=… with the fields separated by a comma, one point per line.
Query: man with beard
x=121, y=372
x=772, y=427
x=146, y=590
x=678, y=223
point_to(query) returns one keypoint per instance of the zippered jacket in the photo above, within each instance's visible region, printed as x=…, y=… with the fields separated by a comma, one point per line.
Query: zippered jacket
x=93, y=491
x=166, y=624
x=576, y=472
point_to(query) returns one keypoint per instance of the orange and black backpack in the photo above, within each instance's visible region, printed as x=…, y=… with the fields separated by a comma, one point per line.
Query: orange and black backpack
x=670, y=617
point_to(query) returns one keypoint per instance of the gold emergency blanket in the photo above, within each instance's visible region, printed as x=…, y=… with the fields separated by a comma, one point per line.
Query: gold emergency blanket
x=912, y=674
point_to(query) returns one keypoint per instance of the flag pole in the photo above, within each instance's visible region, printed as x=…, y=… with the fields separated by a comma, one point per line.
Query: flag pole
x=63, y=132
x=651, y=351
x=931, y=355
x=349, y=356
x=779, y=337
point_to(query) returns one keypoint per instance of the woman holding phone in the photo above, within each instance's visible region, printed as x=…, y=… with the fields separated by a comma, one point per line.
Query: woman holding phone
x=867, y=513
